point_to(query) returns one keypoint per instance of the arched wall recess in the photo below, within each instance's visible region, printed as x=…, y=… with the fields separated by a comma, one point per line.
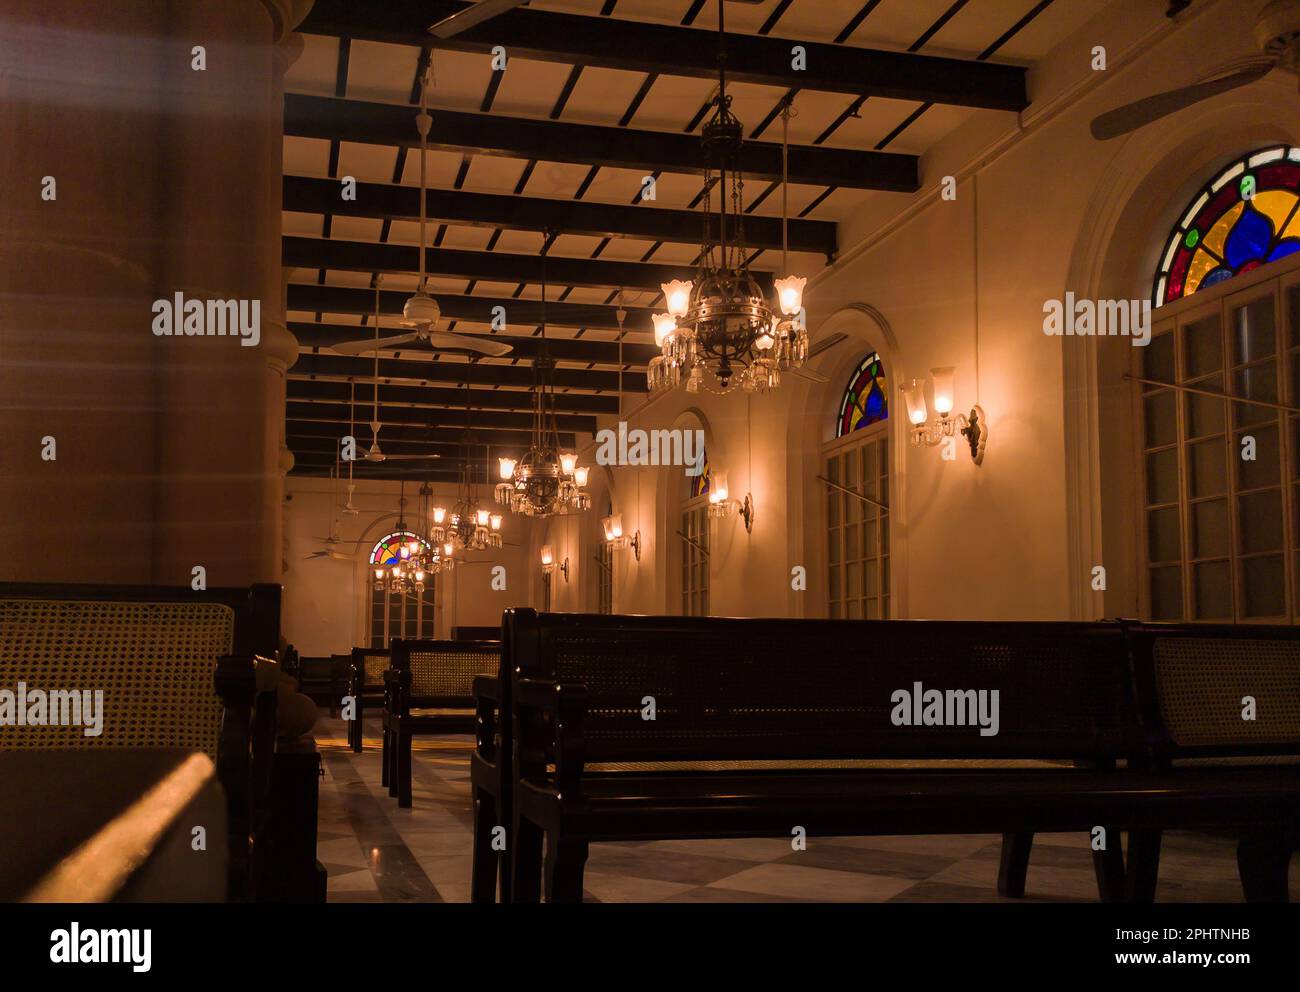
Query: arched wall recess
x=1123, y=230
x=813, y=410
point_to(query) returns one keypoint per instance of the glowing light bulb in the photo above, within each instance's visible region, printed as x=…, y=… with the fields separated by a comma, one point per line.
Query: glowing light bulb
x=665, y=324
x=790, y=293
x=677, y=295
x=507, y=468
x=548, y=555
x=943, y=389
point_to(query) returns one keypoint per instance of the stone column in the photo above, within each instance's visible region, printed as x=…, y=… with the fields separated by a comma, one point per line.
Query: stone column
x=166, y=179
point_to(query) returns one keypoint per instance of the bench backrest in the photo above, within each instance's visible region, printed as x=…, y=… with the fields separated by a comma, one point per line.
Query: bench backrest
x=443, y=672
x=787, y=689
x=476, y=633
x=1194, y=680
x=153, y=651
x=370, y=664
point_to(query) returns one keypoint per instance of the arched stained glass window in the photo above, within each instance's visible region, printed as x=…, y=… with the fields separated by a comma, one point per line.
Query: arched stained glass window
x=698, y=485
x=866, y=400
x=1243, y=218
x=388, y=550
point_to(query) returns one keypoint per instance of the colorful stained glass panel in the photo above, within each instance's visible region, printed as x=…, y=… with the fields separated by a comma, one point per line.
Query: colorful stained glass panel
x=866, y=398
x=1244, y=217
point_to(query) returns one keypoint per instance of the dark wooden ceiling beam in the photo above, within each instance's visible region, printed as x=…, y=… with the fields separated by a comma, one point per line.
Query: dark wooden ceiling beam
x=453, y=373
x=417, y=434
x=667, y=49
x=492, y=266
x=311, y=335
x=308, y=116
x=409, y=416
x=520, y=313
x=527, y=213
x=428, y=396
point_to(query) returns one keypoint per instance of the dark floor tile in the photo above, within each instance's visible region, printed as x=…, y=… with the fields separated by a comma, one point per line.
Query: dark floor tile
x=663, y=866
x=895, y=864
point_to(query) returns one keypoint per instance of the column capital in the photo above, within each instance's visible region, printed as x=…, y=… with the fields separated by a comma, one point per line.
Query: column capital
x=286, y=14
x=279, y=346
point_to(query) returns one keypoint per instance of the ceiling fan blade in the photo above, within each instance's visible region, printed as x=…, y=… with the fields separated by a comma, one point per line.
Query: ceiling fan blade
x=469, y=342
x=809, y=374
x=371, y=344
x=409, y=458
x=484, y=10
x=1134, y=115
x=827, y=343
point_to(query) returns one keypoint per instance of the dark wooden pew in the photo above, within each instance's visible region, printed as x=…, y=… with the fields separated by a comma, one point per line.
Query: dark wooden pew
x=491, y=769
x=430, y=691
x=366, y=686
x=762, y=726
x=178, y=669
x=476, y=633
x=1207, y=765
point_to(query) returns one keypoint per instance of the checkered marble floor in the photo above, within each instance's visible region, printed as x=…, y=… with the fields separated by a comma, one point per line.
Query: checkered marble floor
x=376, y=852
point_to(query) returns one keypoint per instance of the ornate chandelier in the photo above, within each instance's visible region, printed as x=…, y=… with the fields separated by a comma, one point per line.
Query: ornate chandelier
x=418, y=560
x=470, y=527
x=546, y=481
x=719, y=332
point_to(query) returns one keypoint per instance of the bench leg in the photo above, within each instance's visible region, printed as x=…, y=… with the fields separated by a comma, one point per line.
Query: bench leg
x=386, y=758
x=1109, y=866
x=1014, y=865
x=403, y=755
x=483, y=875
x=354, y=729
x=1263, y=860
x=1143, y=866
x=526, y=861
x=566, y=857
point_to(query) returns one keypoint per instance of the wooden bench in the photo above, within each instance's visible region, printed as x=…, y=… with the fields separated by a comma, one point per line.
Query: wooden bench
x=177, y=668
x=763, y=726
x=430, y=692
x=1209, y=767
x=366, y=686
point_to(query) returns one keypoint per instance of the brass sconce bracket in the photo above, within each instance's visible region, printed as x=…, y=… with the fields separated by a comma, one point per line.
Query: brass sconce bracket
x=975, y=430
x=747, y=513
x=636, y=545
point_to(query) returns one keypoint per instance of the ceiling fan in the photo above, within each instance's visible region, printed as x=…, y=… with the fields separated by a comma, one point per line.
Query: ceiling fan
x=463, y=20
x=374, y=453
x=421, y=311
x=1277, y=32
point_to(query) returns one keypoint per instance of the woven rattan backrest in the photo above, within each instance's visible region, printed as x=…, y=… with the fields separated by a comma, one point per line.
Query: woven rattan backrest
x=1228, y=690
x=446, y=669
x=827, y=688
x=374, y=662
x=153, y=661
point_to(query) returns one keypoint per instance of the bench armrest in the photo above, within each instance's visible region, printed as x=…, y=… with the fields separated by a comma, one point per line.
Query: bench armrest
x=487, y=702
x=548, y=723
x=246, y=685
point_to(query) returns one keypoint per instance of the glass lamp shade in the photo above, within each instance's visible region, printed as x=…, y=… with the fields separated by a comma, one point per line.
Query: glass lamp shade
x=481, y=517
x=548, y=555
x=568, y=462
x=379, y=573
x=580, y=475
x=613, y=525
x=914, y=397
x=677, y=295
x=447, y=549
x=439, y=514
x=943, y=391
x=718, y=491
x=665, y=324
x=495, y=521
x=789, y=292
x=419, y=578
x=507, y=466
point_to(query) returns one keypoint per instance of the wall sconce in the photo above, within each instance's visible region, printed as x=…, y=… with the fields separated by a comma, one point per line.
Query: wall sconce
x=722, y=505
x=615, y=537
x=927, y=433
x=548, y=562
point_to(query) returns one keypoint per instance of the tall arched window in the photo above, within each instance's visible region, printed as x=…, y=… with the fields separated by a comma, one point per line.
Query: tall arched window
x=398, y=615
x=1244, y=217
x=1219, y=495
x=694, y=540
x=857, y=519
